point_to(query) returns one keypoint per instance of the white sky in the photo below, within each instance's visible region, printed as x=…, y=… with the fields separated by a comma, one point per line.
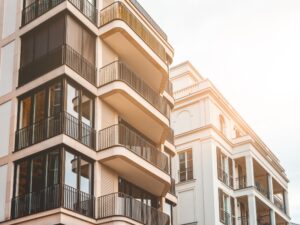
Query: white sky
x=250, y=49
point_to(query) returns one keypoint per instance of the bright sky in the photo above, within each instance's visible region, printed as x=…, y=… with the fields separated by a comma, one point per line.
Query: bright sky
x=250, y=49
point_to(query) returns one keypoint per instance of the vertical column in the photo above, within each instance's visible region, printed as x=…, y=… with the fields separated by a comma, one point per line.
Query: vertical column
x=272, y=217
x=270, y=188
x=286, y=202
x=233, y=174
x=252, y=210
x=97, y=185
x=249, y=171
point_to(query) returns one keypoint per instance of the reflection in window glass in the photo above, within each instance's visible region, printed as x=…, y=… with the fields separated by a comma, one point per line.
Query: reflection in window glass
x=25, y=111
x=53, y=168
x=85, y=176
x=72, y=101
x=38, y=173
x=87, y=109
x=39, y=106
x=55, y=93
x=71, y=166
x=22, y=181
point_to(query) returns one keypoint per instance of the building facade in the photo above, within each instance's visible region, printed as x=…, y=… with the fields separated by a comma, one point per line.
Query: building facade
x=85, y=103
x=224, y=173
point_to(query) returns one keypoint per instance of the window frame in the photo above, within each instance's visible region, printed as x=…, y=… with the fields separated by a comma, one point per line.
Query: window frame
x=186, y=162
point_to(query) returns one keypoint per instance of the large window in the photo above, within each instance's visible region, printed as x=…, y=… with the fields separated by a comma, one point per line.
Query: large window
x=185, y=165
x=226, y=208
x=52, y=110
x=139, y=194
x=225, y=168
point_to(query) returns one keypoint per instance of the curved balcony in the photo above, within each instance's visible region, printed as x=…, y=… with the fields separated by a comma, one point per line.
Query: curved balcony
x=119, y=204
x=124, y=32
x=135, y=100
x=135, y=158
x=61, y=123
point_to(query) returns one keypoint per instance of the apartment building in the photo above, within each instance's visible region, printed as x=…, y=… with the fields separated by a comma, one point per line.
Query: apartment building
x=224, y=172
x=85, y=103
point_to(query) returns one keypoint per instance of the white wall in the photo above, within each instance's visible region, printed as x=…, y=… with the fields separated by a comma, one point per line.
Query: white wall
x=9, y=17
x=6, y=68
x=3, y=180
x=5, y=110
x=186, y=207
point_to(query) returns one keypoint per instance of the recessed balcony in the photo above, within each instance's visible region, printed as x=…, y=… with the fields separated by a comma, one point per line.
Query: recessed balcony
x=61, y=123
x=39, y=8
x=134, y=158
x=140, y=49
x=140, y=105
x=122, y=205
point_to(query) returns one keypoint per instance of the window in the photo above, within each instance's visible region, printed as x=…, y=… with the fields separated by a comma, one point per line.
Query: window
x=185, y=166
x=7, y=68
x=168, y=209
x=225, y=168
x=226, y=208
x=137, y=193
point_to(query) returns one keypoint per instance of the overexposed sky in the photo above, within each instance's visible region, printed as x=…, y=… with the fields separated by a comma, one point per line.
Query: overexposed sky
x=250, y=49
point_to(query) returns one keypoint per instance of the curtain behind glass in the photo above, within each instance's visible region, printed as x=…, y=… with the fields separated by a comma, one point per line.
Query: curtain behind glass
x=74, y=35
x=89, y=46
x=56, y=33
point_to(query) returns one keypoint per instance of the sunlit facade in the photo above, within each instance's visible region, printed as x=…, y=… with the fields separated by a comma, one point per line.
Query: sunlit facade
x=224, y=172
x=85, y=103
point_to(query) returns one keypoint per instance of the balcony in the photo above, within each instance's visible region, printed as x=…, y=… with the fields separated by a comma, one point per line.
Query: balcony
x=64, y=55
x=61, y=123
x=225, y=178
x=226, y=218
x=39, y=8
x=241, y=183
x=126, y=151
x=124, y=32
x=262, y=188
x=278, y=202
x=242, y=220
x=134, y=100
x=119, y=204
x=58, y=196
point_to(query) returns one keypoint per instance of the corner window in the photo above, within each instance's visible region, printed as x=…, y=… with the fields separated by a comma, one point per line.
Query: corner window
x=185, y=165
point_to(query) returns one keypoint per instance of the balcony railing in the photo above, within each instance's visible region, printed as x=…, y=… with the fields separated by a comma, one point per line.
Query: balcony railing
x=149, y=18
x=173, y=187
x=122, y=135
x=169, y=88
x=241, y=183
x=38, y=8
x=279, y=203
x=119, y=11
x=242, y=220
x=226, y=218
x=264, y=191
x=263, y=220
x=63, y=55
x=119, y=204
x=61, y=123
x=225, y=178
x=58, y=196
x=117, y=71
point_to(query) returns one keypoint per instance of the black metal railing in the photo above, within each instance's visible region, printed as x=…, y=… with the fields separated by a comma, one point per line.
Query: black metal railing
x=120, y=204
x=118, y=71
x=263, y=190
x=38, y=8
x=61, y=123
x=226, y=217
x=149, y=18
x=241, y=182
x=225, y=178
x=63, y=55
x=133, y=141
x=242, y=220
x=57, y=196
x=278, y=202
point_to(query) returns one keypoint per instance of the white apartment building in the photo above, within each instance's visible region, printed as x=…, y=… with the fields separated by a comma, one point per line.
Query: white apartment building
x=224, y=172
x=85, y=103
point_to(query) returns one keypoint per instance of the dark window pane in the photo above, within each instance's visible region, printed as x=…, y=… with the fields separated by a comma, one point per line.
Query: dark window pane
x=71, y=169
x=28, y=2
x=22, y=178
x=53, y=168
x=41, y=42
x=88, y=50
x=27, y=50
x=39, y=106
x=25, y=111
x=38, y=173
x=56, y=33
